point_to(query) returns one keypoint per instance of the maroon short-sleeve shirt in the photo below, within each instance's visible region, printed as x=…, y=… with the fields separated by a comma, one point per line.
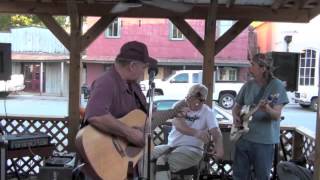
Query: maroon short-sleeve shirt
x=111, y=94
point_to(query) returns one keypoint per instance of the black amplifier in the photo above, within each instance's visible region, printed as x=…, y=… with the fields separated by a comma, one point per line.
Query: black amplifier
x=20, y=141
x=58, y=167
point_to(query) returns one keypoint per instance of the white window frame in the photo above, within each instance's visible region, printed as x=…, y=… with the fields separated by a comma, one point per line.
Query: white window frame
x=229, y=73
x=175, y=31
x=116, y=23
x=307, y=67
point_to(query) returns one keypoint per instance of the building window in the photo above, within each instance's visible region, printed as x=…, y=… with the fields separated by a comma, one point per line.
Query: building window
x=224, y=26
x=113, y=30
x=175, y=33
x=227, y=74
x=307, y=67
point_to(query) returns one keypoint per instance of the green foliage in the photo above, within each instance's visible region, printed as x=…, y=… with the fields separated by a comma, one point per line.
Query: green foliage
x=5, y=22
x=11, y=21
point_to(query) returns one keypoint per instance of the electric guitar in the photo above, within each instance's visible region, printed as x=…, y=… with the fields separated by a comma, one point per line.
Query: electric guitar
x=246, y=113
x=107, y=156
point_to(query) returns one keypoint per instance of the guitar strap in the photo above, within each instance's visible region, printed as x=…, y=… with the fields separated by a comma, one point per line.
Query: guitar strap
x=259, y=95
x=138, y=101
x=261, y=92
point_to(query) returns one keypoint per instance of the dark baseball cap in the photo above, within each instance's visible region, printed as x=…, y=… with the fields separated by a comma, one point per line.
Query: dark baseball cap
x=135, y=51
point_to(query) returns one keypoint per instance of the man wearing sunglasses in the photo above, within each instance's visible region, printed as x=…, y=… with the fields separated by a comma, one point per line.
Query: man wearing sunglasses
x=193, y=128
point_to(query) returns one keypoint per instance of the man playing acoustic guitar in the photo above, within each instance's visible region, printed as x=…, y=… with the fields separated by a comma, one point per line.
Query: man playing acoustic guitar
x=114, y=95
x=256, y=147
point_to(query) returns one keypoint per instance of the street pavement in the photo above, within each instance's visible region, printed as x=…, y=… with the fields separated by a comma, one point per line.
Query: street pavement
x=36, y=105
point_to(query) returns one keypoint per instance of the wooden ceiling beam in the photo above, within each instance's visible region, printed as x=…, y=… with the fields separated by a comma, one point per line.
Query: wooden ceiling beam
x=90, y=1
x=95, y=31
x=310, y=3
x=315, y=11
x=229, y=3
x=232, y=33
x=235, y=12
x=276, y=4
x=56, y=29
x=298, y=4
x=289, y=3
x=189, y=33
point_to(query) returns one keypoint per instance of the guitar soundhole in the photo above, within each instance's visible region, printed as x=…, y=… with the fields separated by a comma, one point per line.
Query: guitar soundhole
x=132, y=151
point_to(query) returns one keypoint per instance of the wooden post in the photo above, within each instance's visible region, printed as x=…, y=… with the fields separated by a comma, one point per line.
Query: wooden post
x=41, y=78
x=209, y=49
x=297, y=145
x=61, y=78
x=74, y=73
x=75, y=43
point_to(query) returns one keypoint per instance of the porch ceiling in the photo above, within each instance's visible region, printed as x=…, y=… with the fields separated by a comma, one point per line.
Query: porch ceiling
x=263, y=10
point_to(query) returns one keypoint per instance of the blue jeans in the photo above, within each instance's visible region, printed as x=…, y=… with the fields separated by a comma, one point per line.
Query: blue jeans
x=249, y=154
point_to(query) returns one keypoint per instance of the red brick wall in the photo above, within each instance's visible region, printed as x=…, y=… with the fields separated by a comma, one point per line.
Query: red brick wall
x=155, y=34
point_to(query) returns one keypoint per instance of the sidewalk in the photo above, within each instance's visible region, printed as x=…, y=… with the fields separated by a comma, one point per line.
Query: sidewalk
x=37, y=96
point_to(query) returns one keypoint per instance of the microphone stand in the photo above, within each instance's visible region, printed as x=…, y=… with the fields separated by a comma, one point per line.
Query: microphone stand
x=149, y=130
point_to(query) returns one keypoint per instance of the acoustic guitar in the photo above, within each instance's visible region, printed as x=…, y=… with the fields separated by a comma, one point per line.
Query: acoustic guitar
x=246, y=113
x=108, y=156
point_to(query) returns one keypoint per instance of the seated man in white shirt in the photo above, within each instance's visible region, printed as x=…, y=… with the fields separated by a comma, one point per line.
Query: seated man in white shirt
x=196, y=126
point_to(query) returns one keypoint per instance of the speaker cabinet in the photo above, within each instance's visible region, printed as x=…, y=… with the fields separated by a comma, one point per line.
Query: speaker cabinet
x=286, y=68
x=58, y=167
x=5, y=61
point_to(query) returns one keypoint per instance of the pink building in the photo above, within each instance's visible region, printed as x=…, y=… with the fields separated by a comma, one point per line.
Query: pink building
x=165, y=43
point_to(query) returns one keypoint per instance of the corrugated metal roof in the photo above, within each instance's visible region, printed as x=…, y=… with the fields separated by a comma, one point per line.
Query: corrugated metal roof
x=33, y=39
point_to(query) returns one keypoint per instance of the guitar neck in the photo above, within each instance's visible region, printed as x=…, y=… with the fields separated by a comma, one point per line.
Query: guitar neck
x=270, y=102
x=253, y=110
x=160, y=117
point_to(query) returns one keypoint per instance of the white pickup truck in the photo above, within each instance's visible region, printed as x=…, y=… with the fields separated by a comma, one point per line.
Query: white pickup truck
x=307, y=96
x=177, y=85
x=15, y=84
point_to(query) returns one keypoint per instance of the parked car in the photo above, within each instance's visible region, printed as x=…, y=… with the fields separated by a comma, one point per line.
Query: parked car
x=15, y=84
x=177, y=85
x=222, y=115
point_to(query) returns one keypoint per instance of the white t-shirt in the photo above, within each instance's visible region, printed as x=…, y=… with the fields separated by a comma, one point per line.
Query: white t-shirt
x=204, y=119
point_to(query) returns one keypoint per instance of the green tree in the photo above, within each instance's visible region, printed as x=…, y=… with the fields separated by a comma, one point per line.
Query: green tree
x=18, y=20
x=5, y=22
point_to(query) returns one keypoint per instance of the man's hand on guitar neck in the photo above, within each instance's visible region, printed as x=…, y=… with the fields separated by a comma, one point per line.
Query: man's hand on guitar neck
x=264, y=105
x=274, y=111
